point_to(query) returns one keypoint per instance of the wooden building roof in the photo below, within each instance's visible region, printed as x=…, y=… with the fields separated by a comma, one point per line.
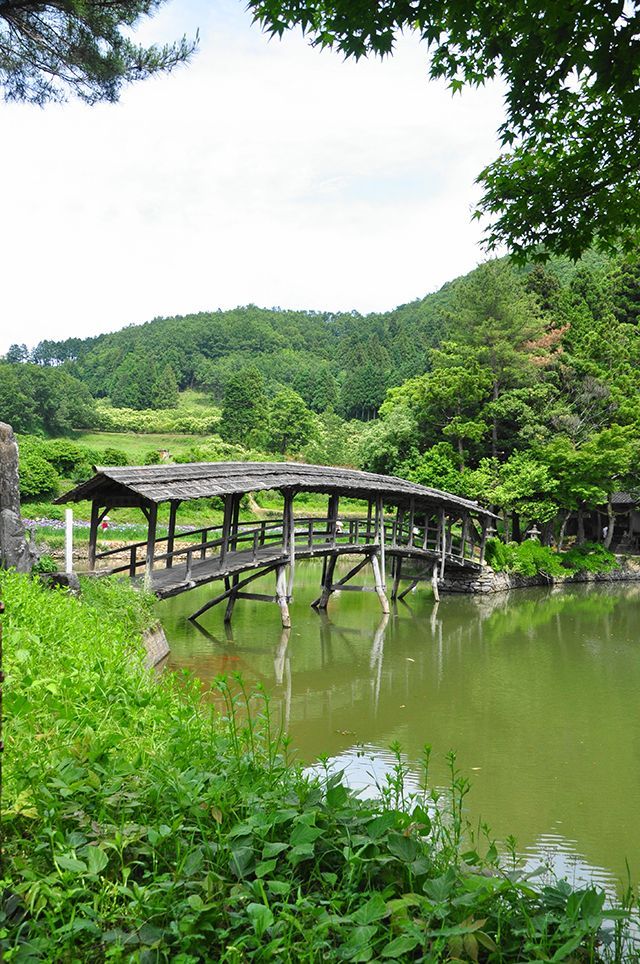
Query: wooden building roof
x=136, y=485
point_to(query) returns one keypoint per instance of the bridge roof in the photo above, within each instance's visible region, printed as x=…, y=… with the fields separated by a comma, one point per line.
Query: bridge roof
x=134, y=485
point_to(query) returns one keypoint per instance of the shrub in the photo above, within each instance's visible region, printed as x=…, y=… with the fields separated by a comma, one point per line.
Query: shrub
x=65, y=456
x=38, y=478
x=589, y=557
x=112, y=456
x=46, y=563
x=149, y=421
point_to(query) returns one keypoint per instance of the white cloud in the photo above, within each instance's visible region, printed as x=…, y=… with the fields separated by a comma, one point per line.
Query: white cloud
x=264, y=172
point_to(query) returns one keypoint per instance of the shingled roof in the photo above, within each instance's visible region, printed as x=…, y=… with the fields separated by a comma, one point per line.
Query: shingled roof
x=196, y=480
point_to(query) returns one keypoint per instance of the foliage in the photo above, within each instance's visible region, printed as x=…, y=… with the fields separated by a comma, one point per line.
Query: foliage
x=52, y=49
x=589, y=557
x=529, y=558
x=566, y=176
x=290, y=423
x=164, y=392
x=45, y=563
x=244, y=407
x=38, y=478
x=43, y=400
x=143, y=826
x=113, y=456
x=149, y=421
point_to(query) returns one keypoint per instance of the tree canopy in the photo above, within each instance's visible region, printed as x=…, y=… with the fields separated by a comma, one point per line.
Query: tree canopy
x=568, y=174
x=49, y=50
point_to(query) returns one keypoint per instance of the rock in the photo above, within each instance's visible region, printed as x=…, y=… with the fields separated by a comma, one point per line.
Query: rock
x=66, y=580
x=16, y=550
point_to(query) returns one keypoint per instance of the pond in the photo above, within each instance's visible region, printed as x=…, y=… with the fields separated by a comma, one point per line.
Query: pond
x=535, y=690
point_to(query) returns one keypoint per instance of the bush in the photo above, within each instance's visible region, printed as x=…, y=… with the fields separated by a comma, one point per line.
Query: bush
x=46, y=563
x=529, y=558
x=65, y=456
x=113, y=457
x=38, y=478
x=149, y=421
x=589, y=557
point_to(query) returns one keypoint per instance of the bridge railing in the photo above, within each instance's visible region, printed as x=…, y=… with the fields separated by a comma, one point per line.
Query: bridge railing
x=462, y=540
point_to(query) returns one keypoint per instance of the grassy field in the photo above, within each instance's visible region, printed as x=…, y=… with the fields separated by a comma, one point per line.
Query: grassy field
x=137, y=446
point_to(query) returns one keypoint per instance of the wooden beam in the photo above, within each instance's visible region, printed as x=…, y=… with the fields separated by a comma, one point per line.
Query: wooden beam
x=443, y=541
x=226, y=526
x=380, y=535
x=93, y=535
x=379, y=580
x=233, y=595
x=151, y=540
x=289, y=538
x=173, y=510
x=229, y=589
x=397, y=578
x=323, y=599
x=281, y=594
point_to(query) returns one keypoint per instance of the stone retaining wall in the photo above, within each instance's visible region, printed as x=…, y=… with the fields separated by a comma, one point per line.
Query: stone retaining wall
x=155, y=644
x=489, y=581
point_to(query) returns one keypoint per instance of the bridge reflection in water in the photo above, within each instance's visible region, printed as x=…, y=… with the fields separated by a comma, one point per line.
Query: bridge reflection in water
x=536, y=691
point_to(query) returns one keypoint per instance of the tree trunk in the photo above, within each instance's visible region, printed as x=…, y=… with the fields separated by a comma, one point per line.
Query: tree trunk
x=563, y=529
x=461, y=455
x=580, y=526
x=516, y=534
x=494, y=426
x=547, y=533
x=611, y=523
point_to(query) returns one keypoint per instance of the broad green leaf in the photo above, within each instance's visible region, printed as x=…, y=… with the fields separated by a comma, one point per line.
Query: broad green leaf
x=97, y=859
x=374, y=909
x=401, y=945
x=71, y=863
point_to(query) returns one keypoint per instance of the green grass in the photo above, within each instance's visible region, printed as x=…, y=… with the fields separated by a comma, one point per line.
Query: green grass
x=141, y=825
x=137, y=446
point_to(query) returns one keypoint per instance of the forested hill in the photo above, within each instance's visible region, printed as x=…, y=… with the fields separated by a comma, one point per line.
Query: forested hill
x=344, y=361
x=313, y=352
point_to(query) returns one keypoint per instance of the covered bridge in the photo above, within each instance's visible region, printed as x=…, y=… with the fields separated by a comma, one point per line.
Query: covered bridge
x=401, y=520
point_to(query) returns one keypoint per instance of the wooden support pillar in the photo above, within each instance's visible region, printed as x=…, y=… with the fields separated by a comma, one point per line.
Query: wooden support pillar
x=327, y=583
x=173, y=510
x=281, y=595
x=412, y=517
x=226, y=527
x=235, y=579
x=289, y=538
x=235, y=516
x=465, y=533
x=93, y=535
x=380, y=536
x=397, y=576
x=443, y=541
x=332, y=518
x=434, y=583
x=483, y=541
x=369, y=514
x=151, y=540
x=379, y=581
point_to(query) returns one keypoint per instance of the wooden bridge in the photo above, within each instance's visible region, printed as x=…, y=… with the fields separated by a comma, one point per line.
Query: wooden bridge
x=419, y=530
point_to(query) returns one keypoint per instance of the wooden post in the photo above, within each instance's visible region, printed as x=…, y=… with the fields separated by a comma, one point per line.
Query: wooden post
x=173, y=509
x=412, y=516
x=226, y=527
x=465, y=533
x=434, y=583
x=289, y=534
x=235, y=515
x=93, y=535
x=380, y=587
x=327, y=582
x=151, y=540
x=483, y=541
x=281, y=595
x=232, y=598
x=369, y=512
x=380, y=539
x=443, y=542
x=332, y=517
x=397, y=578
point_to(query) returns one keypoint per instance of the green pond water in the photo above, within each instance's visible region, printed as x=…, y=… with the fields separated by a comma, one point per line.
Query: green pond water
x=537, y=692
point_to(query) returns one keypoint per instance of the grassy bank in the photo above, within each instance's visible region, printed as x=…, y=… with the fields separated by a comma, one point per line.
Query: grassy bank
x=141, y=826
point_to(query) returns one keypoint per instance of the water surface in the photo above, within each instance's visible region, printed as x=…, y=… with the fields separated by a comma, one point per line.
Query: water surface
x=536, y=690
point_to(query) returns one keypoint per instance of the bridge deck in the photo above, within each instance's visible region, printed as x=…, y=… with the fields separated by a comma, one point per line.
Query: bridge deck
x=170, y=582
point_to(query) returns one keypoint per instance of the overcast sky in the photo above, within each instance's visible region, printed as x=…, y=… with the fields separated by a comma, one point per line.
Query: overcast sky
x=265, y=172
